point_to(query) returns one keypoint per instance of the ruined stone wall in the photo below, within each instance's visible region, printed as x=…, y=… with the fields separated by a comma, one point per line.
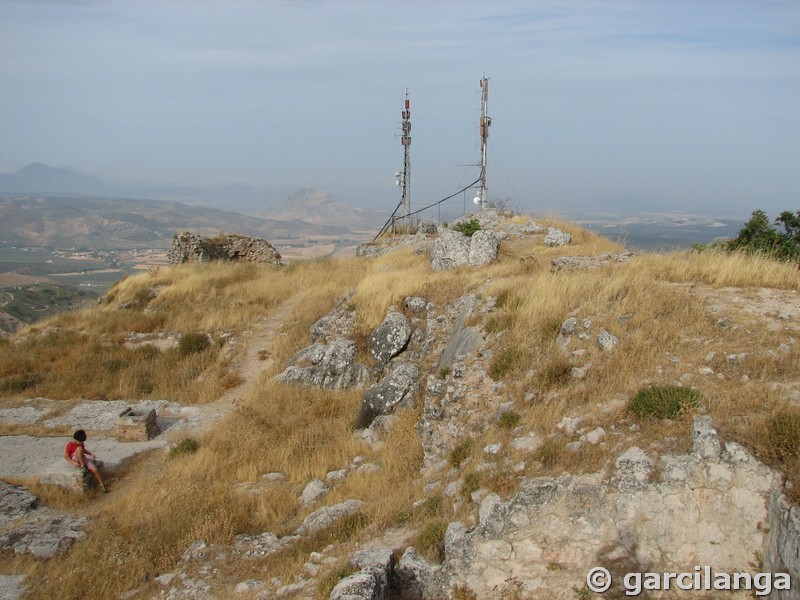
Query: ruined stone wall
x=191, y=247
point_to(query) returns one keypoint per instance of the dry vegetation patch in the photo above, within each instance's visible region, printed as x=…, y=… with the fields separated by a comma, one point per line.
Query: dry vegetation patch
x=666, y=334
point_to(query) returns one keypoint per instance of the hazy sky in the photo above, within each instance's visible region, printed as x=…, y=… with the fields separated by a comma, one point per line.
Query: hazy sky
x=695, y=103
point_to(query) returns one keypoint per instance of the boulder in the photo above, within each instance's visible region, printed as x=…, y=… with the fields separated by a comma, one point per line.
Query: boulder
x=450, y=249
x=324, y=517
x=390, y=337
x=329, y=365
x=483, y=248
x=398, y=388
x=556, y=237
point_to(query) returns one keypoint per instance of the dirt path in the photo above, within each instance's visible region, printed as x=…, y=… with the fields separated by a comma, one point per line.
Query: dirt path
x=258, y=343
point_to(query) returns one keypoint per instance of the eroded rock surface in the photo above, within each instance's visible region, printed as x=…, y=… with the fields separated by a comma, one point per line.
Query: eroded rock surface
x=191, y=247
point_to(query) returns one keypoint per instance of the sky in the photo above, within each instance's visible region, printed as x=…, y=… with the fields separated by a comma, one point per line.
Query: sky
x=595, y=104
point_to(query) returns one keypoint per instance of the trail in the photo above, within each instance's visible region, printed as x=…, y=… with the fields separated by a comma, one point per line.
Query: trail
x=258, y=341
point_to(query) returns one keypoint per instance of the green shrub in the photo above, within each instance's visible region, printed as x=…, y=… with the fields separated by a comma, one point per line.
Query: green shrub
x=472, y=482
x=431, y=507
x=460, y=453
x=430, y=541
x=784, y=434
x=192, y=343
x=508, y=419
x=467, y=227
x=185, y=446
x=506, y=361
x=663, y=402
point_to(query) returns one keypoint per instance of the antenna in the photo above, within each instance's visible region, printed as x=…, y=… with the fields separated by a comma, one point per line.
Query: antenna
x=404, y=179
x=486, y=121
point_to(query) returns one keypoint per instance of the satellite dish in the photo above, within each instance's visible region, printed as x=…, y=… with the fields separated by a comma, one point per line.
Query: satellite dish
x=477, y=200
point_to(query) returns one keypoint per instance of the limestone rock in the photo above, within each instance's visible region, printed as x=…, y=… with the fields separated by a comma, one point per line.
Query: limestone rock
x=390, y=337
x=704, y=510
x=450, y=249
x=556, y=237
x=324, y=517
x=398, y=388
x=411, y=575
x=329, y=365
x=483, y=248
x=583, y=263
x=190, y=247
x=45, y=534
x=313, y=491
x=15, y=501
x=607, y=341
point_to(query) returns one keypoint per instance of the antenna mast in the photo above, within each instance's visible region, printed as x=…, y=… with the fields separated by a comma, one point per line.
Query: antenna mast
x=486, y=121
x=405, y=182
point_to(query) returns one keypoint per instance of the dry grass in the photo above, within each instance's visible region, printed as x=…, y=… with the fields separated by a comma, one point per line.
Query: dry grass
x=665, y=332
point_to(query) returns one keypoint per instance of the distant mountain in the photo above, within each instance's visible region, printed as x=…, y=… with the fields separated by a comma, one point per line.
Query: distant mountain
x=39, y=178
x=119, y=223
x=317, y=207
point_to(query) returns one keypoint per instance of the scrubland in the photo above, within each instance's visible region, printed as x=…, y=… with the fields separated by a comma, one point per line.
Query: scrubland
x=660, y=306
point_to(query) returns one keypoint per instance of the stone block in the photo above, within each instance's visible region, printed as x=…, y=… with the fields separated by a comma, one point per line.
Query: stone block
x=134, y=426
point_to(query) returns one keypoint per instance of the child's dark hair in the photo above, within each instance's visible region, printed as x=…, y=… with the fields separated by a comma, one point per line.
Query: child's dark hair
x=79, y=435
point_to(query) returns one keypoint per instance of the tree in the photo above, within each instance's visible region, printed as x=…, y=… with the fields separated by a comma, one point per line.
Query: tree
x=780, y=240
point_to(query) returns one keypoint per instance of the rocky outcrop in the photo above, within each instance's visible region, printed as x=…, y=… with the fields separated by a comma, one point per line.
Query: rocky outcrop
x=583, y=263
x=329, y=366
x=390, y=337
x=397, y=389
x=556, y=237
x=454, y=249
x=483, y=248
x=191, y=247
x=371, y=582
x=28, y=528
x=450, y=250
x=324, y=517
x=709, y=507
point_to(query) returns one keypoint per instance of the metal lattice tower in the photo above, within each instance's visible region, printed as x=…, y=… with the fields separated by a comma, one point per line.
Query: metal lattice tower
x=405, y=182
x=486, y=121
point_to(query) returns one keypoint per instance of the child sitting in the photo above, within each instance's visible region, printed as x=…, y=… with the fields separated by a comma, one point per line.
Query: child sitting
x=76, y=453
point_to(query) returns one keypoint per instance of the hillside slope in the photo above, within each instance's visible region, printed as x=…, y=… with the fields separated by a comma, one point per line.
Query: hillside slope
x=521, y=371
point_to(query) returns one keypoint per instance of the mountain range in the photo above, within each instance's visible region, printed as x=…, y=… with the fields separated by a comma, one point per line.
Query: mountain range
x=306, y=205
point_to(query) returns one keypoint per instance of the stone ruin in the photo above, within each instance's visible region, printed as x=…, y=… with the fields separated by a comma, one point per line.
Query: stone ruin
x=137, y=426
x=192, y=247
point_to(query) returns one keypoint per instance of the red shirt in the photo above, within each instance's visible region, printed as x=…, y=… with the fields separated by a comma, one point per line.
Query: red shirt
x=73, y=445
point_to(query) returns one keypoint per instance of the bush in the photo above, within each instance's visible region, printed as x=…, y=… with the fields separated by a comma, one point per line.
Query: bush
x=779, y=239
x=663, y=402
x=430, y=541
x=192, y=343
x=460, y=453
x=556, y=373
x=505, y=362
x=508, y=419
x=472, y=482
x=185, y=446
x=467, y=227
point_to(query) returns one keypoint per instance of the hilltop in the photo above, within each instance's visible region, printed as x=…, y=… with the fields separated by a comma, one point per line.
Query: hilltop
x=475, y=426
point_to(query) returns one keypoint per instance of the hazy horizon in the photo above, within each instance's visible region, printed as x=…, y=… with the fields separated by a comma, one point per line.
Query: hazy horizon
x=690, y=105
